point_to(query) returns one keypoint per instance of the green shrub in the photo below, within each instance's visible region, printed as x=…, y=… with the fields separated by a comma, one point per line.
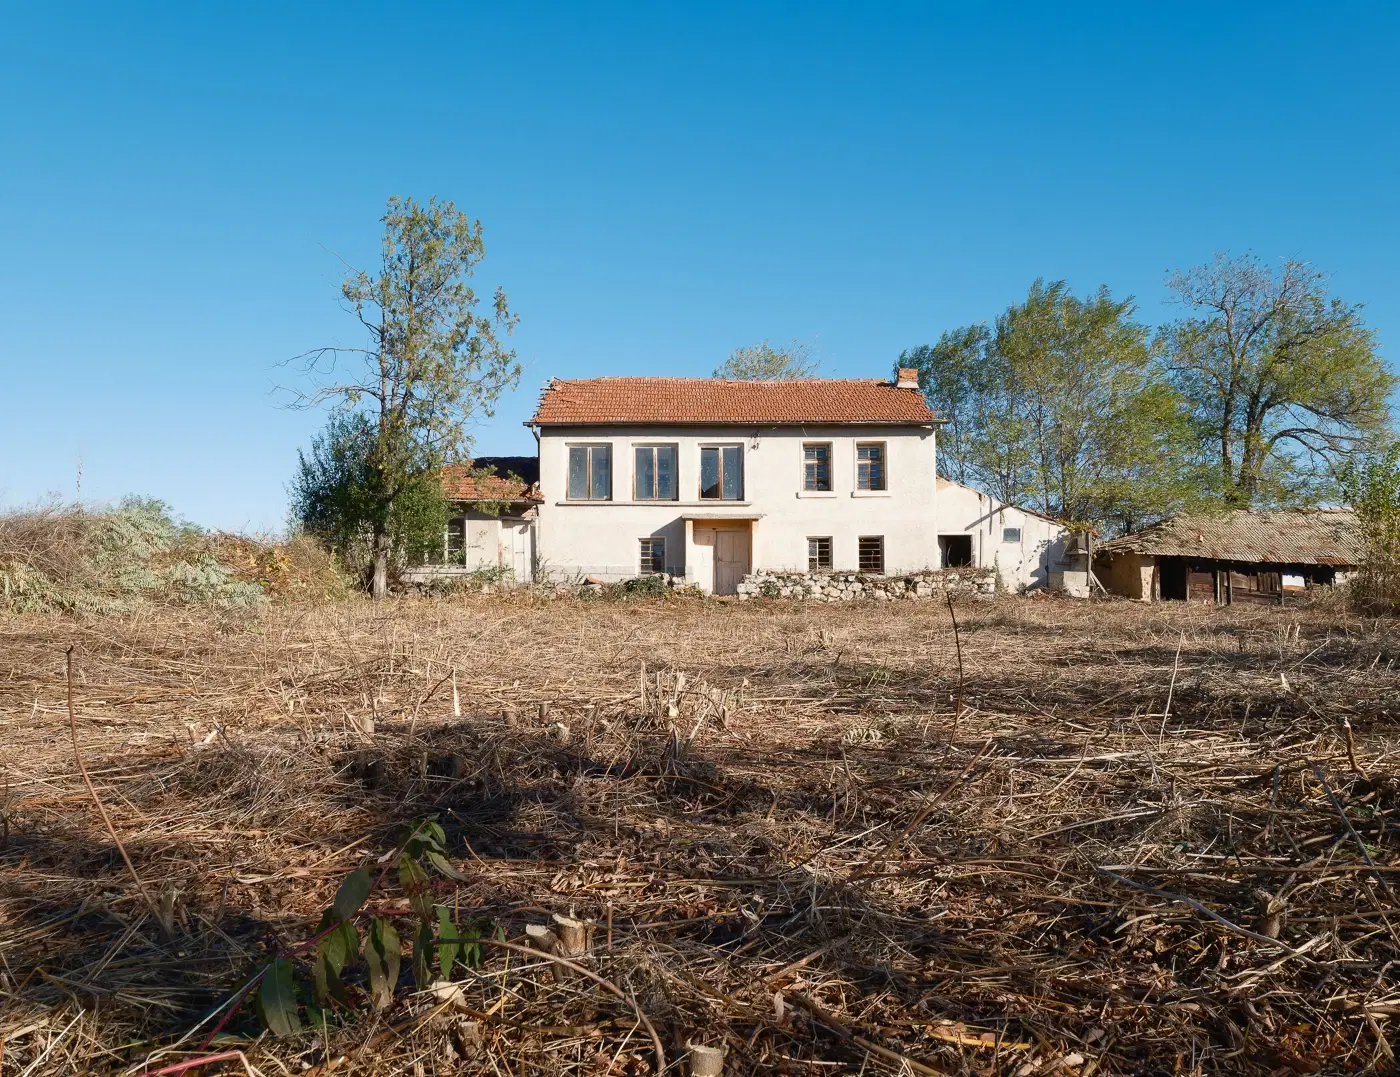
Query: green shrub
x=652, y=586
x=1372, y=485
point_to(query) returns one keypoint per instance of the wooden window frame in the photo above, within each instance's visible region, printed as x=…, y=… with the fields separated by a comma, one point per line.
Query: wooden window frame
x=811, y=468
x=884, y=465
x=652, y=447
x=814, y=562
x=719, y=448
x=862, y=559
x=590, y=447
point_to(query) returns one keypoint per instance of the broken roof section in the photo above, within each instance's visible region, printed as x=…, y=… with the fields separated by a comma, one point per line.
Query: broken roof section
x=719, y=401
x=513, y=478
x=1280, y=536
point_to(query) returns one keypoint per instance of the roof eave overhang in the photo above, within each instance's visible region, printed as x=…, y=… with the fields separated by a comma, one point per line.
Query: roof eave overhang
x=737, y=422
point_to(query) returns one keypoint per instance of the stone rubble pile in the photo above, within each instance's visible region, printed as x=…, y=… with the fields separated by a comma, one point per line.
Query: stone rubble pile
x=591, y=585
x=849, y=586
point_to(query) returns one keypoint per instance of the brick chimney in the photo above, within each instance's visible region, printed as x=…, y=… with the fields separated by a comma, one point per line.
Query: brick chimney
x=908, y=378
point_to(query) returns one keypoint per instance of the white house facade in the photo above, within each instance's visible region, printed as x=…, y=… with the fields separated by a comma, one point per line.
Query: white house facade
x=710, y=479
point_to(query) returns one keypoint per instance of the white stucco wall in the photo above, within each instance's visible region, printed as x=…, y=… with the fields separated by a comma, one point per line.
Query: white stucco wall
x=488, y=543
x=1024, y=564
x=600, y=538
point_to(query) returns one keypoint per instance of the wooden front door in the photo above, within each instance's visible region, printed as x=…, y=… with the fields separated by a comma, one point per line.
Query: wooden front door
x=731, y=560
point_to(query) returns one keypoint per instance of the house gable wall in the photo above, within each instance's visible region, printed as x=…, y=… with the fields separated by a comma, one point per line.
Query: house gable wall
x=1025, y=563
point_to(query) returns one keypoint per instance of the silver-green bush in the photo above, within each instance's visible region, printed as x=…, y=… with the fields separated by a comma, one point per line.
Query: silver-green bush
x=67, y=558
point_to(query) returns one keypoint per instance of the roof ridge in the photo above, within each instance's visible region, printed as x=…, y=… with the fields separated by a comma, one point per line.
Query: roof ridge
x=665, y=400
x=723, y=381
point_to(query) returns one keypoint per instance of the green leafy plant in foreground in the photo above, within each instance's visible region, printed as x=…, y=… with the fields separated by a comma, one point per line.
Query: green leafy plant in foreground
x=440, y=941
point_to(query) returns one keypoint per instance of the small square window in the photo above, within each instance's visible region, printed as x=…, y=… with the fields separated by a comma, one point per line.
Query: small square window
x=816, y=466
x=872, y=554
x=653, y=555
x=1011, y=534
x=870, y=465
x=819, y=555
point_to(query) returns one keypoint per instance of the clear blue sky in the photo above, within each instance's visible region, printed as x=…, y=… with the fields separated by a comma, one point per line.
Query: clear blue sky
x=658, y=185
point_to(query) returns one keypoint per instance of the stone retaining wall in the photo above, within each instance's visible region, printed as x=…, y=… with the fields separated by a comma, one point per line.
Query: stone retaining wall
x=849, y=586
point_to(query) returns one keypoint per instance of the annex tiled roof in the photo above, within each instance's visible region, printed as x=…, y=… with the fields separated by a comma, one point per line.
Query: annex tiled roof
x=709, y=401
x=515, y=478
x=1282, y=536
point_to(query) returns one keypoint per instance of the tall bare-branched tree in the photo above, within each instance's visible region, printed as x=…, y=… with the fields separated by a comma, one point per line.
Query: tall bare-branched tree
x=1283, y=380
x=432, y=363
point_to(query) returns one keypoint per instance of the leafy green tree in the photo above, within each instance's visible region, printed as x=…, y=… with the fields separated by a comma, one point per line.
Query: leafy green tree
x=1372, y=486
x=431, y=365
x=1061, y=406
x=764, y=362
x=1283, y=381
x=335, y=497
x=959, y=379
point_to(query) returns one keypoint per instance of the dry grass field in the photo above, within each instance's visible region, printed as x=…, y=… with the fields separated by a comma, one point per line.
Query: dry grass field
x=1128, y=841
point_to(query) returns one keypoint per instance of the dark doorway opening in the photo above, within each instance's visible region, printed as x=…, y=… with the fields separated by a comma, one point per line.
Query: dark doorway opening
x=1172, y=575
x=955, y=550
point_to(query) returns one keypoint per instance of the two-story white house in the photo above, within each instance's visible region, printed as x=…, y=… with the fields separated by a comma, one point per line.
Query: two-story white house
x=709, y=478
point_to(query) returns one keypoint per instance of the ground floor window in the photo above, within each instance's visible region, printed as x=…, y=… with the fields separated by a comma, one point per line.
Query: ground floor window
x=653, y=555
x=872, y=554
x=1011, y=534
x=819, y=555
x=456, y=541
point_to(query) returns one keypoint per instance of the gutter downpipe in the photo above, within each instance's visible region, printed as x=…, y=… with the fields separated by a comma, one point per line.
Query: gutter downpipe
x=539, y=522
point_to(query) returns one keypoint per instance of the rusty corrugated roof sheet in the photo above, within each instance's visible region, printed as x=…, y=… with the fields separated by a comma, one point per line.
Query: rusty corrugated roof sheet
x=692, y=401
x=459, y=484
x=1279, y=536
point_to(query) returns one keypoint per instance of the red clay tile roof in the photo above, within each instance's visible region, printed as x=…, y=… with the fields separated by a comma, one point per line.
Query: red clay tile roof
x=459, y=484
x=677, y=401
x=1279, y=536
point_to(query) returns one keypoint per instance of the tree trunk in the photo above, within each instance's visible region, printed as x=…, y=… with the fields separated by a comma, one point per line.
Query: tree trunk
x=380, y=586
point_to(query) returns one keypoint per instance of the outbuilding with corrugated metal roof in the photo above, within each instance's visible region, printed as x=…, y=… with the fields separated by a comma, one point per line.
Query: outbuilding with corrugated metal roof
x=1243, y=555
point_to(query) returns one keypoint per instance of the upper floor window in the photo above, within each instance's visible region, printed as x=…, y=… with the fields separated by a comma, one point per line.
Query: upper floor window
x=590, y=472
x=870, y=465
x=816, y=466
x=1010, y=534
x=722, y=472
x=654, y=473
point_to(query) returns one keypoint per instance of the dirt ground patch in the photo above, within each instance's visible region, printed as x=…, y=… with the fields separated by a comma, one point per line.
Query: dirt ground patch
x=1127, y=840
